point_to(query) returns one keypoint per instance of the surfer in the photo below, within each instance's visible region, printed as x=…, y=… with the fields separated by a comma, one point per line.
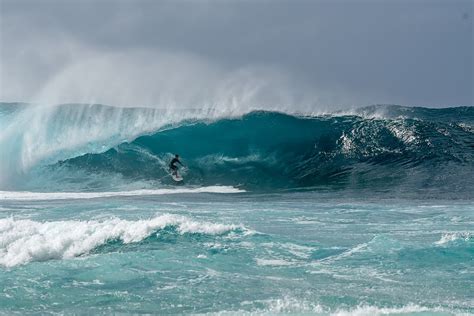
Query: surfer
x=173, y=166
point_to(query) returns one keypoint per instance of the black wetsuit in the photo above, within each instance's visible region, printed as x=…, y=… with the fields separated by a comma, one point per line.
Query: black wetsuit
x=172, y=164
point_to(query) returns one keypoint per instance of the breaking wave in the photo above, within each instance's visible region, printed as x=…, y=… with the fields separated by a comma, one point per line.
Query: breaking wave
x=23, y=241
x=376, y=148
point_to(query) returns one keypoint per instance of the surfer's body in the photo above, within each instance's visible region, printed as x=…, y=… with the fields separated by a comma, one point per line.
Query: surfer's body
x=173, y=166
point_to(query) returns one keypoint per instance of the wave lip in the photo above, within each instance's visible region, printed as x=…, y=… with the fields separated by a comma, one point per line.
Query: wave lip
x=23, y=241
x=37, y=196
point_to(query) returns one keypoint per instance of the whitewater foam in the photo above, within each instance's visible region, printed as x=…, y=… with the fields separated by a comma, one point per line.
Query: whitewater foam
x=448, y=238
x=23, y=241
x=38, y=196
x=367, y=310
x=273, y=262
x=291, y=305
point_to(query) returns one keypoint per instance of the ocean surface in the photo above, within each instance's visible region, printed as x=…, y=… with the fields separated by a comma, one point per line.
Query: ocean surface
x=361, y=212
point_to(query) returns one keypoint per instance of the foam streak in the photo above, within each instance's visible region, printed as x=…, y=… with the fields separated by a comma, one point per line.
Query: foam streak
x=37, y=196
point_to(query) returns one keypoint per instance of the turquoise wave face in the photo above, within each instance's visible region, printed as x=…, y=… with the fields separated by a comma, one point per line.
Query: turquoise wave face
x=268, y=150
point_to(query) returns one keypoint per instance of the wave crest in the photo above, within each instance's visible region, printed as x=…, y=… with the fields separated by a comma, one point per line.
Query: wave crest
x=23, y=241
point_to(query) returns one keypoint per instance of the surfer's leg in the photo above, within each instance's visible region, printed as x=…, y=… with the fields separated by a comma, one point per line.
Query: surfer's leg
x=174, y=170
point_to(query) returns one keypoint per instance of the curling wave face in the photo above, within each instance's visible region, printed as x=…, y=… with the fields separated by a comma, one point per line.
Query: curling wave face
x=379, y=147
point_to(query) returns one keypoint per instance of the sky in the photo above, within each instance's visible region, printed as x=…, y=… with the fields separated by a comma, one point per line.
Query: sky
x=326, y=53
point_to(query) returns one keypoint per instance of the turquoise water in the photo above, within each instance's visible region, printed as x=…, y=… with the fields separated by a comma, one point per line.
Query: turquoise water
x=368, y=213
x=237, y=253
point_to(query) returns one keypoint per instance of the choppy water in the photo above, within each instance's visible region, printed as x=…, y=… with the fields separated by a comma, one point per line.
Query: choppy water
x=369, y=213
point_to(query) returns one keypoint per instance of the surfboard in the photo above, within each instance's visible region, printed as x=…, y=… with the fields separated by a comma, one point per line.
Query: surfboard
x=177, y=177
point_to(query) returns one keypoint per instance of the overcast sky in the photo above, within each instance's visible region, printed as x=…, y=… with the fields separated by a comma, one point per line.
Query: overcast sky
x=335, y=53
